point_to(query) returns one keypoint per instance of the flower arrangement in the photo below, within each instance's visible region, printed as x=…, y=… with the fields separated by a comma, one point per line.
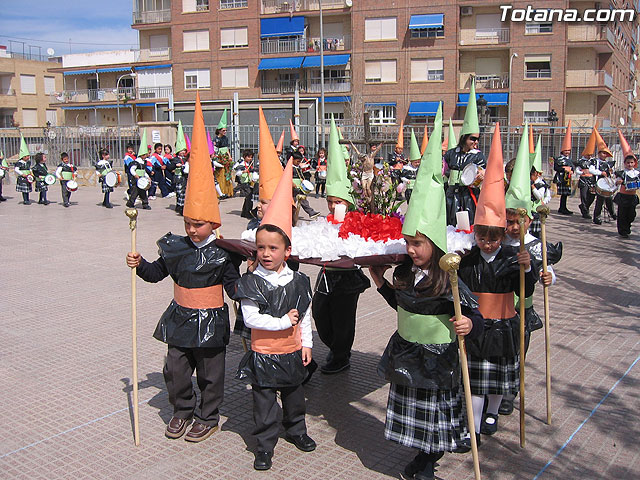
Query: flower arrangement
x=384, y=198
x=226, y=161
x=370, y=226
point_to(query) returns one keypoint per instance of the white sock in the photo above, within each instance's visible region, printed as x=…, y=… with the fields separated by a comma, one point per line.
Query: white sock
x=494, y=404
x=477, y=401
x=218, y=190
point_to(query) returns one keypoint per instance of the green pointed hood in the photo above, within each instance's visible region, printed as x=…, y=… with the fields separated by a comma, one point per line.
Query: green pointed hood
x=144, y=146
x=426, y=212
x=414, y=149
x=470, y=124
x=223, y=120
x=181, y=143
x=338, y=184
x=24, y=151
x=536, y=158
x=345, y=150
x=519, y=193
x=452, y=137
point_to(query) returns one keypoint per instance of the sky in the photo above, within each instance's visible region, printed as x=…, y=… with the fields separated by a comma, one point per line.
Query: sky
x=90, y=25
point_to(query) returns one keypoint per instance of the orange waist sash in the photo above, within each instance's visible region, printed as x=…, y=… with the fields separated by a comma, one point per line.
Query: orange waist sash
x=206, y=297
x=276, y=342
x=496, y=305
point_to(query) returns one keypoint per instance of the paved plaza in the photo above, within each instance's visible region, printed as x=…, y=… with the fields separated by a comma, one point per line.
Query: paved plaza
x=65, y=363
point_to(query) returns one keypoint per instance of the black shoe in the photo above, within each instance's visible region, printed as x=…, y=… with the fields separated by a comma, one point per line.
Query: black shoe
x=262, y=460
x=108, y=205
x=506, y=406
x=564, y=212
x=624, y=235
x=146, y=207
x=311, y=368
x=489, y=428
x=302, y=442
x=2, y=199
x=614, y=216
x=335, y=366
x=129, y=204
x=416, y=465
x=597, y=221
x=66, y=205
x=40, y=202
x=27, y=202
x=428, y=472
x=584, y=212
x=464, y=445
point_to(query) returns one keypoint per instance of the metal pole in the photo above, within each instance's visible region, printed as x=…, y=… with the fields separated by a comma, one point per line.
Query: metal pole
x=513, y=55
x=322, y=75
x=236, y=125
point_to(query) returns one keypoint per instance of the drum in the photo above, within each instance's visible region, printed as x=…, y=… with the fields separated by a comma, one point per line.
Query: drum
x=605, y=187
x=49, y=179
x=2, y=174
x=322, y=174
x=72, y=185
x=255, y=176
x=111, y=179
x=30, y=178
x=144, y=183
x=468, y=175
x=306, y=186
x=245, y=177
x=632, y=185
x=185, y=169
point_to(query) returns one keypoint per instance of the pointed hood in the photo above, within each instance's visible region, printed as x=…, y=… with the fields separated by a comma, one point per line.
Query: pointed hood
x=223, y=120
x=566, y=141
x=201, y=199
x=181, y=144
x=338, y=184
x=452, y=137
x=536, y=159
x=519, y=193
x=491, y=210
x=144, y=147
x=400, y=141
x=470, y=124
x=532, y=147
x=425, y=141
x=624, y=145
x=24, y=151
x=294, y=134
x=280, y=146
x=210, y=144
x=187, y=141
x=270, y=167
x=426, y=213
x=414, y=151
x=279, y=212
x=602, y=146
x=590, y=147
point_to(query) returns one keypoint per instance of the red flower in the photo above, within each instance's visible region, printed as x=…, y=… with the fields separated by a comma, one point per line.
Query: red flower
x=370, y=226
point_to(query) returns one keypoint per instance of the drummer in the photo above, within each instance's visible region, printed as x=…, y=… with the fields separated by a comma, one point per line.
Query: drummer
x=321, y=172
x=104, y=166
x=464, y=196
x=23, y=171
x=298, y=193
x=629, y=182
x=40, y=172
x=139, y=173
x=602, y=169
x=65, y=172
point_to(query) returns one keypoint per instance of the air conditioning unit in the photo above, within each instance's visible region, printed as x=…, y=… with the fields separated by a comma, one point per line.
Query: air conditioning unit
x=597, y=6
x=466, y=11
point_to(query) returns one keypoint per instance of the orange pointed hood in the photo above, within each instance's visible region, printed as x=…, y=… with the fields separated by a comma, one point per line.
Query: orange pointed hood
x=201, y=199
x=425, y=140
x=294, y=134
x=626, y=149
x=532, y=146
x=491, y=209
x=270, y=167
x=280, y=145
x=280, y=211
x=400, y=141
x=566, y=141
x=590, y=148
x=602, y=146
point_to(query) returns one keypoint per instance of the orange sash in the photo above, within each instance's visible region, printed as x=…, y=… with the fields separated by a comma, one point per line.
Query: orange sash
x=277, y=342
x=496, y=305
x=206, y=297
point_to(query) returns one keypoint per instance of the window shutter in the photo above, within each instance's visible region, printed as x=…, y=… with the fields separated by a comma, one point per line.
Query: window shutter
x=52, y=117
x=204, y=78
x=189, y=41
x=388, y=70
x=188, y=5
x=388, y=28
x=27, y=83
x=49, y=85
x=372, y=69
x=535, y=106
x=29, y=117
x=419, y=70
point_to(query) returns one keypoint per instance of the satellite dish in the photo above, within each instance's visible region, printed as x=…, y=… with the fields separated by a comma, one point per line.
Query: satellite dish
x=50, y=51
x=622, y=121
x=348, y=3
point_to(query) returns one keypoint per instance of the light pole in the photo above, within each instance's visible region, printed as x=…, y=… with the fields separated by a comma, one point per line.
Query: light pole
x=513, y=55
x=132, y=75
x=322, y=75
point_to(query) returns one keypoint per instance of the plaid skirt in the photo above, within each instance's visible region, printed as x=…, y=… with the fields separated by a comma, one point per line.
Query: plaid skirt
x=496, y=376
x=105, y=188
x=563, y=189
x=536, y=225
x=429, y=420
x=23, y=186
x=180, y=192
x=41, y=186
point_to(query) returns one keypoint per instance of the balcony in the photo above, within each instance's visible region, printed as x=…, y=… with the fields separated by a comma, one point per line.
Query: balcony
x=7, y=92
x=496, y=81
x=598, y=79
x=602, y=36
x=153, y=54
x=311, y=85
x=335, y=44
x=151, y=16
x=111, y=95
x=484, y=36
x=283, y=44
x=290, y=6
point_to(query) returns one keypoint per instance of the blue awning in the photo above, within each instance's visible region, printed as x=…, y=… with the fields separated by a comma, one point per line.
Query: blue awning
x=114, y=69
x=383, y=104
x=423, y=109
x=152, y=67
x=433, y=20
x=493, y=99
x=329, y=61
x=280, y=63
x=145, y=104
x=91, y=107
x=339, y=99
x=80, y=72
x=281, y=27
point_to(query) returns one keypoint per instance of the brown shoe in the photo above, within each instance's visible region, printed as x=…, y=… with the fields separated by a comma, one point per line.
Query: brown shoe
x=177, y=427
x=200, y=432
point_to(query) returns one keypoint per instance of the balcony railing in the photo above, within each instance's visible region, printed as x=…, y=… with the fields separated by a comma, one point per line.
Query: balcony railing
x=284, y=44
x=334, y=44
x=589, y=33
x=484, y=36
x=225, y=4
x=279, y=86
x=122, y=94
x=290, y=6
x=542, y=73
x=589, y=78
x=151, y=16
x=537, y=117
x=487, y=82
x=311, y=85
x=7, y=91
x=153, y=54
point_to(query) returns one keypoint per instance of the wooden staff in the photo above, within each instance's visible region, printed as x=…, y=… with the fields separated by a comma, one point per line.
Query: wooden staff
x=450, y=263
x=522, y=213
x=132, y=213
x=543, y=211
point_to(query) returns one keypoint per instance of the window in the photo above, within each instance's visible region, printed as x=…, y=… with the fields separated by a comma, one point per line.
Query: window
x=233, y=37
x=29, y=117
x=488, y=25
x=380, y=28
x=537, y=66
x=382, y=114
x=233, y=4
x=437, y=32
x=534, y=28
x=195, y=40
x=52, y=117
x=380, y=71
x=28, y=84
x=49, y=85
x=197, y=78
x=536, y=111
x=189, y=6
x=235, y=77
x=427, y=70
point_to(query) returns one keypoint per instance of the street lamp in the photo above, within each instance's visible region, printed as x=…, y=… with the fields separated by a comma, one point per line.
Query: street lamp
x=131, y=75
x=513, y=55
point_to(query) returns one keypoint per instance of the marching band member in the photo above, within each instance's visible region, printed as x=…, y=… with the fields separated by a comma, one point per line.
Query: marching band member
x=244, y=170
x=298, y=193
x=564, y=167
x=602, y=169
x=540, y=190
x=39, y=172
x=103, y=166
x=629, y=182
x=180, y=169
x=276, y=306
x=195, y=325
x=410, y=171
x=139, y=169
x=23, y=172
x=65, y=172
x=168, y=173
x=158, y=168
x=129, y=157
x=587, y=183
x=320, y=177
x=4, y=167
